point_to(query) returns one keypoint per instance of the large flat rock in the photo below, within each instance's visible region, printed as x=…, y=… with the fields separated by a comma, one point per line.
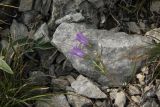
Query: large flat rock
x=120, y=52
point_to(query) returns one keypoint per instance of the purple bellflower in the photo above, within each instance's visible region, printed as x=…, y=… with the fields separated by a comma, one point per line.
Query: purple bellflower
x=75, y=51
x=82, y=39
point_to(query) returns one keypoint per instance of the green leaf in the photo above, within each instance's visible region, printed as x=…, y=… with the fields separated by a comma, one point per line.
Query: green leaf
x=44, y=46
x=23, y=41
x=5, y=67
x=40, y=40
x=155, y=51
x=1, y=57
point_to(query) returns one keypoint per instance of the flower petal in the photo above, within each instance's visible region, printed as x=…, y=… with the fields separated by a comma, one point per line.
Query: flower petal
x=75, y=51
x=81, y=38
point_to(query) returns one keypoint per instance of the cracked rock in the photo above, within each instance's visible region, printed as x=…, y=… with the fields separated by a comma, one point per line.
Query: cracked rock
x=77, y=17
x=85, y=87
x=78, y=101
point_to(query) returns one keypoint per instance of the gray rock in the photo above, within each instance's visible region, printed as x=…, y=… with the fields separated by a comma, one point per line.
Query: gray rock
x=150, y=103
x=136, y=99
x=61, y=8
x=116, y=29
x=61, y=83
x=102, y=104
x=103, y=18
x=131, y=105
x=43, y=6
x=69, y=7
x=149, y=95
x=85, y=87
x=133, y=27
x=18, y=29
x=120, y=99
x=143, y=26
x=77, y=17
x=61, y=71
x=54, y=101
x=148, y=87
x=113, y=93
x=119, y=51
x=158, y=92
x=157, y=82
x=69, y=89
x=155, y=6
x=78, y=101
x=154, y=34
x=29, y=16
x=90, y=13
x=3, y=44
x=141, y=78
x=25, y=5
x=70, y=78
x=134, y=90
x=54, y=15
x=97, y=3
x=57, y=11
x=51, y=71
x=4, y=32
x=38, y=78
x=60, y=58
x=111, y=3
x=42, y=32
x=78, y=2
x=145, y=70
x=47, y=57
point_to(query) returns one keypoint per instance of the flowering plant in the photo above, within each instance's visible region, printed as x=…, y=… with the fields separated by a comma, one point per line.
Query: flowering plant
x=79, y=52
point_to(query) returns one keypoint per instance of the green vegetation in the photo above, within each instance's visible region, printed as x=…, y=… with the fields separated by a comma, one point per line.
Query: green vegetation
x=154, y=60
x=15, y=90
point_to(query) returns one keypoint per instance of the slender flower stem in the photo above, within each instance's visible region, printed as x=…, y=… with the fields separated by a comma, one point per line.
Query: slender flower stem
x=100, y=67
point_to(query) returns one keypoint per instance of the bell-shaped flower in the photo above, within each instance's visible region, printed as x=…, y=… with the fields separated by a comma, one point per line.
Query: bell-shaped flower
x=82, y=39
x=75, y=51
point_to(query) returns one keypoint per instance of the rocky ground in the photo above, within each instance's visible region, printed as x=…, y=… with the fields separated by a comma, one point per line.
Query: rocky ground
x=120, y=30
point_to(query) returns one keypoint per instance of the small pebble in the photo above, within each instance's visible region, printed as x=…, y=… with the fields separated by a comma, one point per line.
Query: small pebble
x=120, y=100
x=133, y=90
x=140, y=77
x=136, y=99
x=113, y=93
x=145, y=70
